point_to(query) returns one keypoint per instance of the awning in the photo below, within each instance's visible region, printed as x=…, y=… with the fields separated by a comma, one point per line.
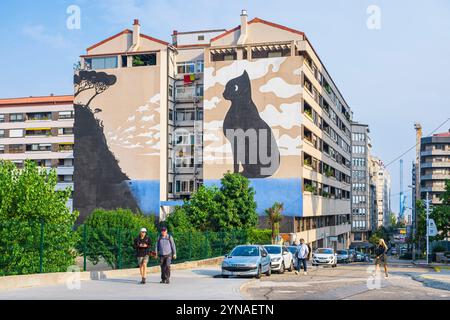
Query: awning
x=365, y=245
x=37, y=129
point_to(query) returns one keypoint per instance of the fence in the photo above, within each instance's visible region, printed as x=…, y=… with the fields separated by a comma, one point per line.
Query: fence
x=38, y=247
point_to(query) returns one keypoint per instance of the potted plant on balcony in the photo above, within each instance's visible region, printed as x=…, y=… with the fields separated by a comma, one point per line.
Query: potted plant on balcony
x=310, y=188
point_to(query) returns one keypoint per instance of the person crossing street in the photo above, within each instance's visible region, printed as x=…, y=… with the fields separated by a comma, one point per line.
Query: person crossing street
x=302, y=255
x=166, y=251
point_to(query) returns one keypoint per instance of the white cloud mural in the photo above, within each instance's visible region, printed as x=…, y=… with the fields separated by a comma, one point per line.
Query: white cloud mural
x=288, y=118
x=281, y=88
x=211, y=104
x=255, y=69
x=289, y=146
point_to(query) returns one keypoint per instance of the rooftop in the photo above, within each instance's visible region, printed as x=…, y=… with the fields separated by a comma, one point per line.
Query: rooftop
x=51, y=99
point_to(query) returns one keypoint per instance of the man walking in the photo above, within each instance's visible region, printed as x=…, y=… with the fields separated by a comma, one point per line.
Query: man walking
x=166, y=250
x=142, y=245
x=302, y=255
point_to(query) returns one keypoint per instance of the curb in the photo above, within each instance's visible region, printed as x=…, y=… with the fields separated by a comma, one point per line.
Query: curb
x=48, y=279
x=432, y=283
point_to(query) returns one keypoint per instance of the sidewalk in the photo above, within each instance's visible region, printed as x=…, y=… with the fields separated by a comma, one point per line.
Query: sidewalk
x=436, y=280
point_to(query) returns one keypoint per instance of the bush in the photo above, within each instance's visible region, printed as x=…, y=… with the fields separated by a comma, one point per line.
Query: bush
x=259, y=236
x=30, y=204
x=109, y=235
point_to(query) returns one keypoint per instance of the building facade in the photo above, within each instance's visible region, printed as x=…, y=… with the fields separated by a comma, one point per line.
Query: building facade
x=434, y=165
x=39, y=129
x=361, y=186
x=154, y=121
x=382, y=180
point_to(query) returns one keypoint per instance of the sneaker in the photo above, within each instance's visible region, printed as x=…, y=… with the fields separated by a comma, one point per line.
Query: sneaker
x=296, y=272
x=142, y=281
x=162, y=281
x=305, y=273
x=167, y=281
x=386, y=276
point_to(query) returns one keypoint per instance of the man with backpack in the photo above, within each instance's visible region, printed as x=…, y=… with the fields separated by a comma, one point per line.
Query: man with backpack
x=166, y=251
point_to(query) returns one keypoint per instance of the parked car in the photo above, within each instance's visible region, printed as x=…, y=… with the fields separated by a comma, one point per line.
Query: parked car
x=293, y=250
x=280, y=257
x=247, y=260
x=343, y=256
x=324, y=256
x=352, y=255
x=393, y=251
x=360, y=256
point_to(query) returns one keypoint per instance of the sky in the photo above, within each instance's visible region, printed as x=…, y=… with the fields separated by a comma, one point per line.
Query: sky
x=391, y=76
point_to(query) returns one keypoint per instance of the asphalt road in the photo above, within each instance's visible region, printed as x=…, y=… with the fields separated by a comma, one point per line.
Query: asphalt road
x=346, y=282
x=353, y=281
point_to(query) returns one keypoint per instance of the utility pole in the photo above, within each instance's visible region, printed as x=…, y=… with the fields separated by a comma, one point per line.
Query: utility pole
x=428, y=225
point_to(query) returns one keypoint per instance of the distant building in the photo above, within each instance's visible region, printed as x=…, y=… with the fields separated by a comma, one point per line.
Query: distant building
x=361, y=191
x=39, y=129
x=382, y=180
x=434, y=165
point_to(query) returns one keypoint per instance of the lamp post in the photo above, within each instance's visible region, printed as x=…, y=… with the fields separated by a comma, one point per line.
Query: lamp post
x=413, y=226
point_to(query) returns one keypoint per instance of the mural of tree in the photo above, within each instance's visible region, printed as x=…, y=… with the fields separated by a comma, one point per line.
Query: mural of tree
x=91, y=80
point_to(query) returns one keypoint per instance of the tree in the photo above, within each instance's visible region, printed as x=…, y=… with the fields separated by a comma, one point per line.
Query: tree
x=441, y=214
x=381, y=233
x=109, y=235
x=87, y=80
x=34, y=220
x=274, y=217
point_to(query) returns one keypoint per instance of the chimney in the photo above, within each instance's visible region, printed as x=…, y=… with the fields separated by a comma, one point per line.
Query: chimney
x=244, y=24
x=136, y=34
x=175, y=38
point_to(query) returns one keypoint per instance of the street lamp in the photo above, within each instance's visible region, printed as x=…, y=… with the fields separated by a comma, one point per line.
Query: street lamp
x=413, y=231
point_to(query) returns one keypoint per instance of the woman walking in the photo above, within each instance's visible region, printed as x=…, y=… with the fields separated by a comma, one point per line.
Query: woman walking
x=381, y=256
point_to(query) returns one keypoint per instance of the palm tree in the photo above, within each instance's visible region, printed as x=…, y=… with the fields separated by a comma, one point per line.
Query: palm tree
x=274, y=216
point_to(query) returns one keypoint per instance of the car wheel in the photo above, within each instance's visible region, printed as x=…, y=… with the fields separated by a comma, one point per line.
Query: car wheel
x=282, y=269
x=269, y=271
x=225, y=276
x=258, y=275
x=291, y=267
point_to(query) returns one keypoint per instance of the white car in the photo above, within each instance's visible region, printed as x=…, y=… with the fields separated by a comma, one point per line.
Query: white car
x=281, y=258
x=324, y=256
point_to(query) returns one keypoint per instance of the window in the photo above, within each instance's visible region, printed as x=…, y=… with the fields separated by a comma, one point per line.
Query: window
x=16, y=117
x=65, y=131
x=201, y=38
x=15, y=148
x=2, y=149
x=39, y=116
x=39, y=147
x=65, y=178
x=170, y=91
x=186, y=67
x=16, y=133
x=101, y=63
x=65, y=147
x=143, y=60
x=124, y=61
x=66, y=115
x=2, y=118
x=275, y=54
x=185, y=115
x=200, y=66
x=38, y=132
x=2, y=133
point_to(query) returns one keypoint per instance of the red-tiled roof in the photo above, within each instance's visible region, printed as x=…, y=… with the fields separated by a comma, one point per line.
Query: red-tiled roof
x=126, y=31
x=443, y=134
x=36, y=100
x=258, y=20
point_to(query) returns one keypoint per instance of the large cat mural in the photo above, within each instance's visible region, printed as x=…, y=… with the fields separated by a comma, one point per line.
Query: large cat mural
x=252, y=141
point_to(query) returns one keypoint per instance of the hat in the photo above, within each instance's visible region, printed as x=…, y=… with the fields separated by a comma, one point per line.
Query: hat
x=143, y=230
x=163, y=229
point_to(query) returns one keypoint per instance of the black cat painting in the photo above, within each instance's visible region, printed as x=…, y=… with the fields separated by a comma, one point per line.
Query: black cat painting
x=252, y=141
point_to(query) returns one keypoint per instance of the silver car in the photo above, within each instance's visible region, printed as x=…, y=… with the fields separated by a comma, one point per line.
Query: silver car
x=247, y=260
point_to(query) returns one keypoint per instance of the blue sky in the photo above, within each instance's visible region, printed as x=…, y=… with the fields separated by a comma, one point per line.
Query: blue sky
x=390, y=77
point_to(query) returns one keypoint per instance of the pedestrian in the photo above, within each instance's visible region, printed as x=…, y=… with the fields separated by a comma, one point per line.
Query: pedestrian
x=302, y=255
x=380, y=252
x=166, y=251
x=142, y=245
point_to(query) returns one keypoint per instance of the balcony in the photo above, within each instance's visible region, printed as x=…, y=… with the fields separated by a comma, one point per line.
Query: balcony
x=443, y=164
x=435, y=152
x=435, y=177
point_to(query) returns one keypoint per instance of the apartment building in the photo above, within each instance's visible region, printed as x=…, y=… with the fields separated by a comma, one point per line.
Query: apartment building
x=39, y=129
x=434, y=165
x=382, y=180
x=155, y=120
x=361, y=186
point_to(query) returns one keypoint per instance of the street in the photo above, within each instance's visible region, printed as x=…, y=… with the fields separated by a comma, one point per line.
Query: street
x=352, y=281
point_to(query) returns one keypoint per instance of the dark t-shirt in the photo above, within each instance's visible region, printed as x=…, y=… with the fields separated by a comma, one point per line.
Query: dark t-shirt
x=140, y=251
x=381, y=250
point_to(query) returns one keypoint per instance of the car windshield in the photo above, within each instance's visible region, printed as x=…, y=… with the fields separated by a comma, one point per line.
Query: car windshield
x=273, y=249
x=327, y=251
x=341, y=252
x=293, y=249
x=245, y=251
